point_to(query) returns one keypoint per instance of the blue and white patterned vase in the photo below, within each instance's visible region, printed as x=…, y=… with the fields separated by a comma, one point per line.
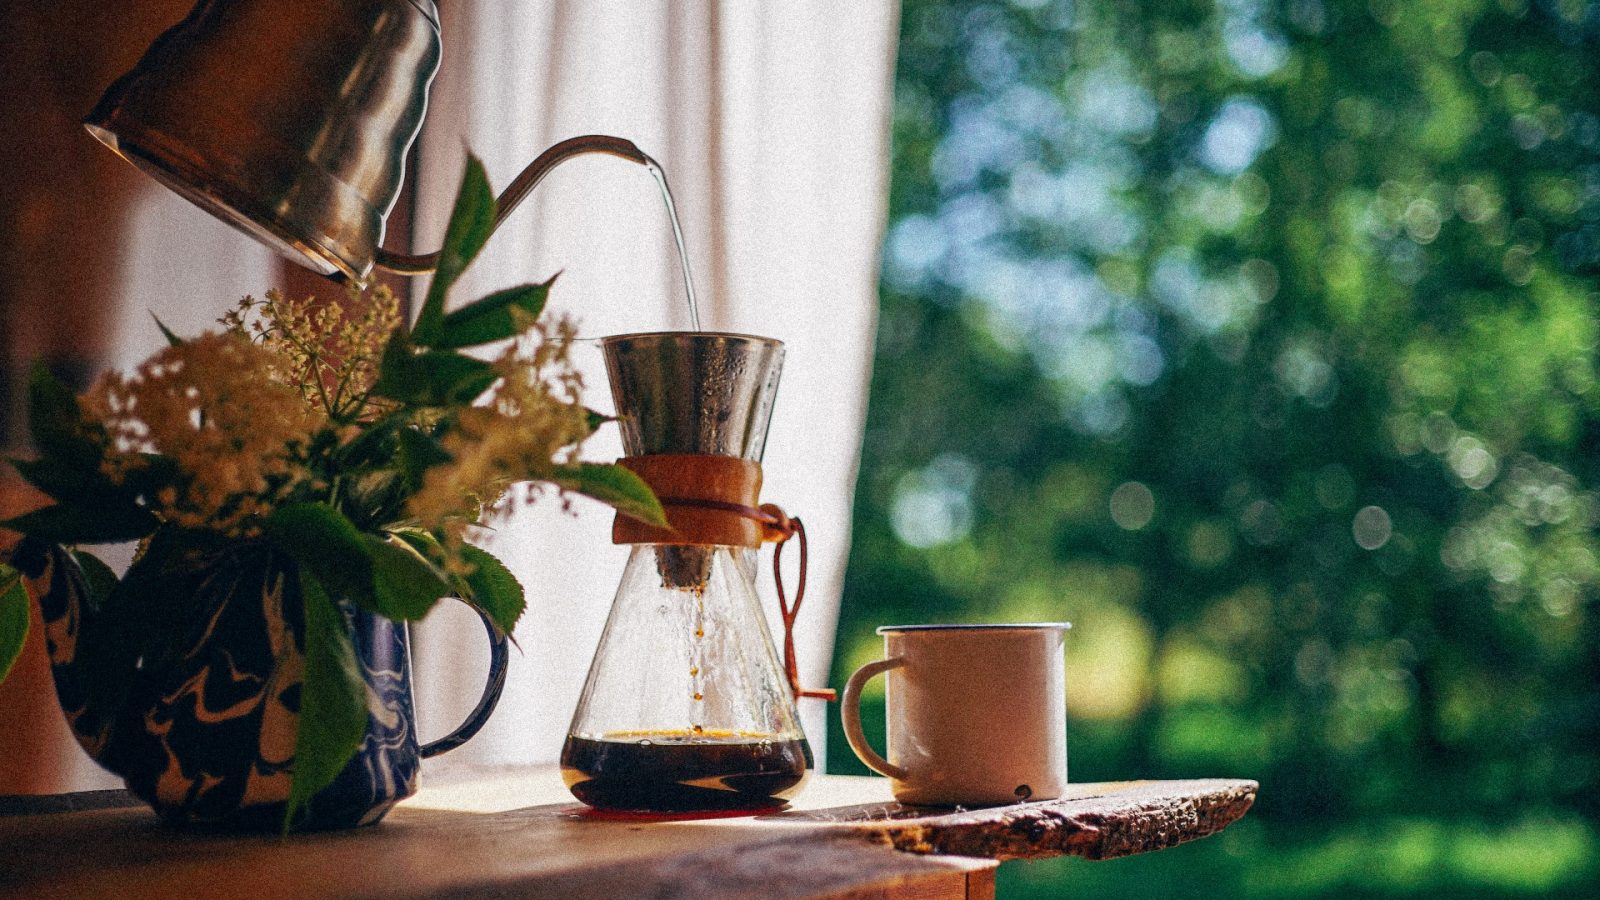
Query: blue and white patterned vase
x=206, y=734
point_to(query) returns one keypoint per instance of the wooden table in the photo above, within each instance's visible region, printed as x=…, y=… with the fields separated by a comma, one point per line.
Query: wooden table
x=517, y=833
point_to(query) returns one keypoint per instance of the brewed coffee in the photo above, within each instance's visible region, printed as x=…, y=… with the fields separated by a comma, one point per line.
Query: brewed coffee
x=678, y=771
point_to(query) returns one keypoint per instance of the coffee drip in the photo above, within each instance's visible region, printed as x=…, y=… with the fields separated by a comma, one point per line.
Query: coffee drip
x=686, y=706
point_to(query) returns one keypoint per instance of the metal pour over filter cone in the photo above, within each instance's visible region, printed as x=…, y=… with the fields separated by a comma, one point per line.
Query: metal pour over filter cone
x=686, y=706
x=693, y=392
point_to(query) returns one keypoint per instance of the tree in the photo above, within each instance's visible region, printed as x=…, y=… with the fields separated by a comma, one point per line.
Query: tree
x=1259, y=340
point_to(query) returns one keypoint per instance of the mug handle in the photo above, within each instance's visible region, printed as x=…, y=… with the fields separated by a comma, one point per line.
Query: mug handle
x=850, y=713
x=499, y=655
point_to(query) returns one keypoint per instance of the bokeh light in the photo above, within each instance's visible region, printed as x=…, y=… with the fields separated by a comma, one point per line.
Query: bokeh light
x=1259, y=340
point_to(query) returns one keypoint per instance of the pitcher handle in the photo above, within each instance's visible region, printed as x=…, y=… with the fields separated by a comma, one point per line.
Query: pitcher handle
x=499, y=656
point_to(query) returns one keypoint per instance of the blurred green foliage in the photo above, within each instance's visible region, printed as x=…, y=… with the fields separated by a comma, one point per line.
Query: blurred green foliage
x=1258, y=340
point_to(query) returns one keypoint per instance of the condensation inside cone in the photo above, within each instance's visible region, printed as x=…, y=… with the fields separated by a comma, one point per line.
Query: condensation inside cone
x=686, y=567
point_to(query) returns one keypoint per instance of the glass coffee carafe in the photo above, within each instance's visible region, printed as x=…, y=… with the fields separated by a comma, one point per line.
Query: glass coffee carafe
x=686, y=706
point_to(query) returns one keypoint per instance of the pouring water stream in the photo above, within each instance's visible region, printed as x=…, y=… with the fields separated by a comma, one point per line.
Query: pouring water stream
x=696, y=653
x=660, y=176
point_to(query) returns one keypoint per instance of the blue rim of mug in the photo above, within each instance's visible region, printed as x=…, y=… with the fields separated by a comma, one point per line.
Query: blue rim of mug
x=979, y=626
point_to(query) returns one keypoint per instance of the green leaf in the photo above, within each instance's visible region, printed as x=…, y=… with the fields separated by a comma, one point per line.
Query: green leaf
x=372, y=498
x=333, y=700
x=496, y=317
x=101, y=580
x=147, y=479
x=320, y=539
x=375, y=443
x=450, y=379
x=86, y=494
x=60, y=480
x=470, y=224
x=386, y=577
x=489, y=587
x=434, y=378
x=57, y=424
x=596, y=419
x=493, y=589
x=406, y=586
x=13, y=618
x=422, y=541
x=75, y=523
x=397, y=377
x=172, y=339
x=417, y=453
x=616, y=487
x=68, y=469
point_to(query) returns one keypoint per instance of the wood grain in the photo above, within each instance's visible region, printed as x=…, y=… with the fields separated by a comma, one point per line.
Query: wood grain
x=1127, y=818
x=477, y=834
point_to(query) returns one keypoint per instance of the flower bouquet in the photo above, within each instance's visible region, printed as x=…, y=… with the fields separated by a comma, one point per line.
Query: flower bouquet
x=295, y=481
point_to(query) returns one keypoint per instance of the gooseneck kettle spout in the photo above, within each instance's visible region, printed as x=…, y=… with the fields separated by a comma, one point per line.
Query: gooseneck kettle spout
x=518, y=190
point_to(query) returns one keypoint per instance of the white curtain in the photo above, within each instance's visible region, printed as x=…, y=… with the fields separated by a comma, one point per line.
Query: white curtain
x=771, y=120
x=184, y=267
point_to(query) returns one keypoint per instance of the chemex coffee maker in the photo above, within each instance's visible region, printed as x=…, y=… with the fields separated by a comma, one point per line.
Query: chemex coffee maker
x=686, y=706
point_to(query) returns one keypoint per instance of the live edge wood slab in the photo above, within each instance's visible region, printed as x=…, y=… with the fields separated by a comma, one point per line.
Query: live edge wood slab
x=517, y=833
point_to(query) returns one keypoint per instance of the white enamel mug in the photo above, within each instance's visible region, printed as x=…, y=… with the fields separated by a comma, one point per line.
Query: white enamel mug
x=977, y=714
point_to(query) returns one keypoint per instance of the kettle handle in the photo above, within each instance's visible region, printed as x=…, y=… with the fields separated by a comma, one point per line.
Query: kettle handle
x=499, y=656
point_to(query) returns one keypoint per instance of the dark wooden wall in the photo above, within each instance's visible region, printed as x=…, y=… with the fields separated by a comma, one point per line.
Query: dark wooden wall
x=64, y=205
x=65, y=208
